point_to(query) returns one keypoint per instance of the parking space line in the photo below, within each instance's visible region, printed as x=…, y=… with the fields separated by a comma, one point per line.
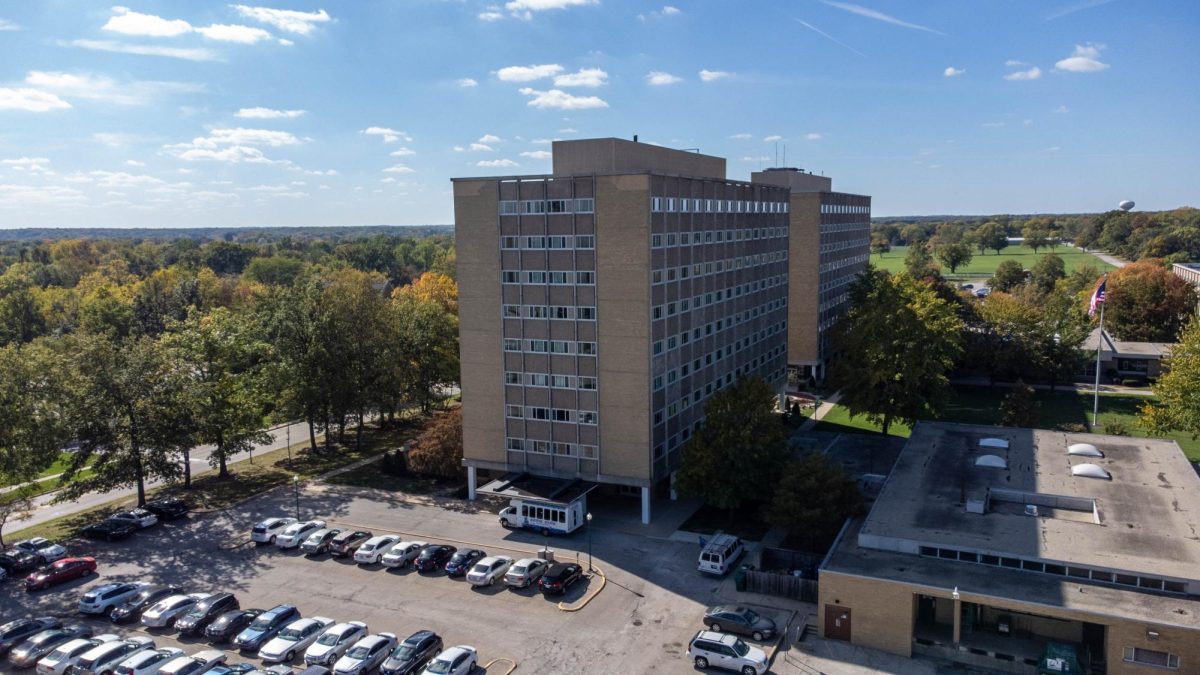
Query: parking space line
x=425, y=537
x=582, y=602
x=511, y=667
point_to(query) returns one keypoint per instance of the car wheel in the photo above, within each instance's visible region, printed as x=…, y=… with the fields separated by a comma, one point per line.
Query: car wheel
x=716, y=627
x=701, y=662
x=289, y=657
x=504, y=523
x=272, y=540
x=757, y=635
x=749, y=670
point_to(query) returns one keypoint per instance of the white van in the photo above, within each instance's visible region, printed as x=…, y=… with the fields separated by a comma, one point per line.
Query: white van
x=720, y=554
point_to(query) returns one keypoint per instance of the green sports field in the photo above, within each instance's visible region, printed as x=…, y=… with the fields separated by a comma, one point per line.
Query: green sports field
x=982, y=266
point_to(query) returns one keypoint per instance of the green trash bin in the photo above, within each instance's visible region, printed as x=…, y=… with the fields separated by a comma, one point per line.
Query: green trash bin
x=739, y=577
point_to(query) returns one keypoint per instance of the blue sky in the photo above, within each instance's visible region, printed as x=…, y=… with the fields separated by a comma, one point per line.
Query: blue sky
x=354, y=113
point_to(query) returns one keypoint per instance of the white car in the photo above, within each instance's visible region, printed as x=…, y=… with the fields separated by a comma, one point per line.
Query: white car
x=65, y=655
x=403, y=553
x=374, y=549
x=487, y=571
x=458, y=660
x=148, y=662
x=293, y=639
x=334, y=642
x=366, y=654
x=266, y=531
x=101, y=599
x=104, y=657
x=49, y=550
x=164, y=612
x=196, y=663
x=525, y=572
x=295, y=534
x=139, y=517
x=722, y=650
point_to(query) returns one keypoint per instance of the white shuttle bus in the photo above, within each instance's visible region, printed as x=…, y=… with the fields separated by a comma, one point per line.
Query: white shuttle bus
x=545, y=517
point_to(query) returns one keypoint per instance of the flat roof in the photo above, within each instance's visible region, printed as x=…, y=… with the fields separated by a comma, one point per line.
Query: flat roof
x=538, y=488
x=1126, y=348
x=1149, y=512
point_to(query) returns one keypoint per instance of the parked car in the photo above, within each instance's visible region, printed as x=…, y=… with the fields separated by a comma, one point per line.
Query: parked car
x=16, y=632
x=131, y=609
x=233, y=669
x=167, y=611
x=293, y=639
x=293, y=535
x=316, y=670
x=104, y=657
x=374, y=548
x=433, y=557
x=458, y=660
x=109, y=530
x=16, y=561
x=48, y=550
x=167, y=508
x=102, y=599
x=60, y=571
x=720, y=650
x=738, y=619
x=141, y=518
x=402, y=553
x=227, y=626
x=525, y=571
x=66, y=654
x=204, y=612
x=348, y=542
x=559, y=577
x=148, y=662
x=196, y=663
x=265, y=626
x=33, y=648
x=331, y=644
x=266, y=531
x=410, y=655
x=983, y=292
x=487, y=571
x=366, y=654
x=463, y=560
x=318, y=542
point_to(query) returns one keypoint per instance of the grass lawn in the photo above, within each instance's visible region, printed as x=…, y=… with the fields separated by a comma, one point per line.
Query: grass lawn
x=982, y=266
x=372, y=476
x=981, y=405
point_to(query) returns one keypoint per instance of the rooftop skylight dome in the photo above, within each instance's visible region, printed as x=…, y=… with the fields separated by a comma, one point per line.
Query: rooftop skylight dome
x=1090, y=471
x=1084, y=450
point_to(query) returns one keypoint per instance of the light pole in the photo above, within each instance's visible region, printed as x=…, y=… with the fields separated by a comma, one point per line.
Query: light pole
x=296, y=489
x=589, y=528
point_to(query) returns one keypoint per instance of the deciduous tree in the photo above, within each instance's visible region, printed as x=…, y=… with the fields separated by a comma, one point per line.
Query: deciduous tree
x=1008, y=275
x=954, y=255
x=1177, y=389
x=1147, y=303
x=1019, y=409
x=438, y=451
x=1046, y=272
x=812, y=499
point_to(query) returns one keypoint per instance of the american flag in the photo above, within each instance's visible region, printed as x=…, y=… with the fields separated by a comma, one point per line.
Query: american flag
x=1098, y=295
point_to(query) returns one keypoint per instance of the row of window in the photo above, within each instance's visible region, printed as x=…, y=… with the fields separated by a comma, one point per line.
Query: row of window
x=715, y=236
x=844, y=262
x=550, y=346
x=726, y=351
x=547, y=447
x=1061, y=570
x=829, y=228
x=549, y=312
x=550, y=242
x=837, y=282
x=550, y=414
x=712, y=327
x=701, y=301
x=830, y=303
x=696, y=397
x=679, y=439
x=691, y=205
x=1150, y=657
x=529, y=207
x=845, y=208
x=660, y=276
x=549, y=380
x=552, y=278
x=843, y=245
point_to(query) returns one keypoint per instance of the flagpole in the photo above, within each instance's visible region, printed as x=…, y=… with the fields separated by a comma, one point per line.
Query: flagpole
x=1099, y=348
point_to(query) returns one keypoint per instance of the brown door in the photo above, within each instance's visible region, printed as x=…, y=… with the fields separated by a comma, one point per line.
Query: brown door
x=837, y=622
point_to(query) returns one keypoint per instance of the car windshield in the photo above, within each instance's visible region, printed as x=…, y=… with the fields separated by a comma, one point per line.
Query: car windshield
x=197, y=611
x=329, y=639
x=359, y=652
x=15, y=630
x=289, y=634
x=480, y=568
x=223, y=621
x=750, y=616
x=404, y=652
x=439, y=666
x=263, y=622
x=518, y=569
x=740, y=648
x=58, y=654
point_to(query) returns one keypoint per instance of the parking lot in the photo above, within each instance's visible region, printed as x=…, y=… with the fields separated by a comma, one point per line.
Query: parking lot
x=639, y=623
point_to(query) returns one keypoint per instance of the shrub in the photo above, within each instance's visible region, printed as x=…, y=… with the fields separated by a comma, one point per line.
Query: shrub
x=1115, y=428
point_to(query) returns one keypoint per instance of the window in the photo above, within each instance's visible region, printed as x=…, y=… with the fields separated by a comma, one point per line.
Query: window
x=561, y=415
x=559, y=277
x=587, y=383
x=538, y=413
x=539, y=380
x=585, y=277
x=508, y=208
x=588, y=348
x=585, y=241
x=512, y=411
x=656, y=204
x=539, y=346
x=1150, y=657
x=560, y=381
x=515, y=444
x=512, y=378
x=511, y=345
x=512, y=311
x=587, y=417
x=509, y=242
x=536, y=277
x=537, y=312
x=560, y=347
x=512, y=277
x=587, y=313
x=656, y=241
x=585, y=205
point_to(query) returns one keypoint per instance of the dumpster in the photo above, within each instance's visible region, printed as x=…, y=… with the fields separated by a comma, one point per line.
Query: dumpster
x=739, y=577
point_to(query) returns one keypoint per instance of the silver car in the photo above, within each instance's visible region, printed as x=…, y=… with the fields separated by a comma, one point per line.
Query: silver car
x=525, y=572
x=366, y=654
x=334, y=642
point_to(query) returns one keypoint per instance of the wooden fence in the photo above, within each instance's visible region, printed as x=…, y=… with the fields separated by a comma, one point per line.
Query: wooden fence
x=781, y=585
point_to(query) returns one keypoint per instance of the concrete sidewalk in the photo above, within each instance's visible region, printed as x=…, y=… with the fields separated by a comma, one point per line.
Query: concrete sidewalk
x=821, y=411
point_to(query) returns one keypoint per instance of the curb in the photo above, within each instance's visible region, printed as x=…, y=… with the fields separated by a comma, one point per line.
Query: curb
x=512, y=665
x=583, y=602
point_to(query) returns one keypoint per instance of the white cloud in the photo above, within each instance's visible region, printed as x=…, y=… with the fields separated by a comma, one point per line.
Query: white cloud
x=523, y=8
x=1053, y=148
x=561, y=100
x=542, y=141
x=568, y=130
x=242, y=136
x=402, y=152
x=878, y=16
x=1013, y=63
x=286, y=20
x=480, y=147
x=537, y=154
x=710, y=75
x=495, y=163
x=666, y=11
x=467, y=83
x=27, y=163
x=528, y=73
x=491, y=13
x=759, y=158
x=1031, y=74
x=951, y=71
x=6, y=25
x=120, y=179
x=1085, y=59
x=189, y=54
x=398, y=168
x=772, y=138
x=813, y=136
x=30, y=100
x=267, y=113
x=490, y=138
x=389, y=179
x=129, y=22
x=585, y=77
x=459, y=148
x=388, y=135
x=134, y=162
x=234, y=146
x=1062, y=109
x=246, y=35
x=100, y=88
x=658, y=78
x=742, y=137
x=23, y=195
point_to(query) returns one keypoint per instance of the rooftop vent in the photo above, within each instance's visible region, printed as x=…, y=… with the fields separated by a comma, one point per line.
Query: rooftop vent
x=993, y=443
x=1084, y=450
x=991, y=462
x=1090, y=471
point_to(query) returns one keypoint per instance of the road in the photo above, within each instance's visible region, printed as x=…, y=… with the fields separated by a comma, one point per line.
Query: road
x=1111, y=260
x=46, y=510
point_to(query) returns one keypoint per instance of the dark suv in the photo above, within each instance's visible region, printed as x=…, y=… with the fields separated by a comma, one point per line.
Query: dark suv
x=131, y=609
x=433, y=557
x=265, y=626
x=167, y=508
x=411, y=655
x=204, y=612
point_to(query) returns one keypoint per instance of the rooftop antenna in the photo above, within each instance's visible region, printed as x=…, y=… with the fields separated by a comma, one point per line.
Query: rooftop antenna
x=635, y=138
x=785, y=154
x=776, y=153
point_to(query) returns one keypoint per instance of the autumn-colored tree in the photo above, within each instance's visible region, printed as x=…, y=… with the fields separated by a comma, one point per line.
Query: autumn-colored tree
x=1147, y=303
x=438, y=451
x=1178, y=406
x=1019, y=409
x=431, y=286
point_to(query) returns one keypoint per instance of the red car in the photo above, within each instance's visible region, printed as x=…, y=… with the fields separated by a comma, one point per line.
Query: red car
x=60, y=571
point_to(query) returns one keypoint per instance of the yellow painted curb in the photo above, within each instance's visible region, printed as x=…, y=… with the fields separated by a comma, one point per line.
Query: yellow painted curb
x=582, y=602
x=512, y=665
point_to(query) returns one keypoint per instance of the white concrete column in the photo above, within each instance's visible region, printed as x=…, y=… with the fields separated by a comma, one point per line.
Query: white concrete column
x=645, y=506
x=471, y=483
x=957, y=621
